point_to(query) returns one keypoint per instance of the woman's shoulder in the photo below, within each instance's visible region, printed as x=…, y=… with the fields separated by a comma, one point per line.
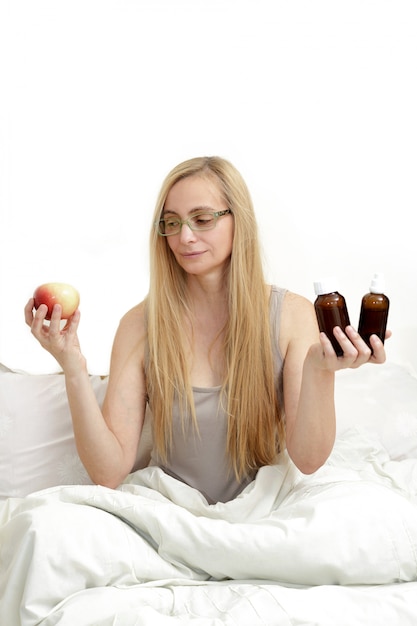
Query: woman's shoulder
x=293, y=299
x=130, y=338
x=134, y=320
x=298, y=320
x=297, y=309
x=291, y=302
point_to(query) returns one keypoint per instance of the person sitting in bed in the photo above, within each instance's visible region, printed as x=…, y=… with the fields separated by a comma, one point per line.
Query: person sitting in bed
x=233, y=369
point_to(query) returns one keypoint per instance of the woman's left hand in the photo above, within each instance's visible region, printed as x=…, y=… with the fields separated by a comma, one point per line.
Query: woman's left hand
x=61, y=341
x=355, y=351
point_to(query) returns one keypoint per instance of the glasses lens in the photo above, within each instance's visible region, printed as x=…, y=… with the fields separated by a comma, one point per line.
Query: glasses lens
x=169, y=226
x=202, y=221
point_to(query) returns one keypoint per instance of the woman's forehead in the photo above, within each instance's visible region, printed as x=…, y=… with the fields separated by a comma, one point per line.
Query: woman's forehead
x=194, y=192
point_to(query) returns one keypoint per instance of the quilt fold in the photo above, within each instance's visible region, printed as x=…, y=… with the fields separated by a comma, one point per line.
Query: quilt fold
x=354, y=522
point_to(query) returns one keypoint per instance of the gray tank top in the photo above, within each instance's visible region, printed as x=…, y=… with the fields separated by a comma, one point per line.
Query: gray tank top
x=200, y=459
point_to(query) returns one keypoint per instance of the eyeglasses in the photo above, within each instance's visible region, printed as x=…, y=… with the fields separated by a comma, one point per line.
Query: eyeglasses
x=200, y=221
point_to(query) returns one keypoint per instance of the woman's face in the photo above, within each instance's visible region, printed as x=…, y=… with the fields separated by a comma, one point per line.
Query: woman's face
x=201, y=252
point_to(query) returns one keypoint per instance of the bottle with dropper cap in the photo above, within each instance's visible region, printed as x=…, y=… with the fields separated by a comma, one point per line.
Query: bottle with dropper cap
x=374, y=311
x=331, y=310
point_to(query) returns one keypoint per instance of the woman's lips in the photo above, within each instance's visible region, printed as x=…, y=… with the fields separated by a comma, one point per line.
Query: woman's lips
x=190, y=255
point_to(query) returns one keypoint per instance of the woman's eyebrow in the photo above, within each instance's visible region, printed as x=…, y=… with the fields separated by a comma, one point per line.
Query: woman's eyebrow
x=198, y=209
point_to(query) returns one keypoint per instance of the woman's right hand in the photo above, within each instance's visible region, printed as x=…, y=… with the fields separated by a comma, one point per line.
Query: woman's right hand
x=61, y=342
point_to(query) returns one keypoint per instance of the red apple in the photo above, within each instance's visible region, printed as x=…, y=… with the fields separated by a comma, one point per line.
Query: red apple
x=57, y=293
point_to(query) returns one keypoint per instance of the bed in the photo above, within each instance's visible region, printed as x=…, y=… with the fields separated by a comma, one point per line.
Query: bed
x=337, y=548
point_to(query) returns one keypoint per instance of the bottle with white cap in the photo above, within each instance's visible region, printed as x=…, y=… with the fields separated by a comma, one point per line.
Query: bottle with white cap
x=374, y=311
x=331, y=310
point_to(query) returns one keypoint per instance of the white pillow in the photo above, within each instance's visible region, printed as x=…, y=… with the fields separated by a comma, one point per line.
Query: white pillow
x=37, y=448
x=383, y=400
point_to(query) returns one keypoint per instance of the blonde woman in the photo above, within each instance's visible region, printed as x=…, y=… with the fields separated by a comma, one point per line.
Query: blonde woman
x=233, y=369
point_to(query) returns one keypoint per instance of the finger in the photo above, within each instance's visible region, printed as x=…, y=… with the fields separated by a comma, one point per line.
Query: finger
x=55, y=322
x=379, y=355
x=72, y=323
x=365, y=352
x=29, y=311
x=352, y=344
x=38, y=320
x=326, y=344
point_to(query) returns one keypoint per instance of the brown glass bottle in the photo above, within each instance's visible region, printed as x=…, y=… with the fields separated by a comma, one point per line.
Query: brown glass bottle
x=374, y=311
x=331, y=311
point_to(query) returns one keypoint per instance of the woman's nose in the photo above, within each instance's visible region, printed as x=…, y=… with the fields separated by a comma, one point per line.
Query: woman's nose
x=186, y=233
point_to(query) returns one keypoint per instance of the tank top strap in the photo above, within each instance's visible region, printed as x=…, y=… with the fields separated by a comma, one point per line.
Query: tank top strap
x=276, y=301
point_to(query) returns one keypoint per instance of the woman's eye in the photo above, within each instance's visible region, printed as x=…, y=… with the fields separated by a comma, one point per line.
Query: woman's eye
x=202, y=220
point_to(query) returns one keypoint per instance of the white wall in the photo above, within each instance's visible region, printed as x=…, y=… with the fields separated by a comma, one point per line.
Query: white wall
x=315, y=102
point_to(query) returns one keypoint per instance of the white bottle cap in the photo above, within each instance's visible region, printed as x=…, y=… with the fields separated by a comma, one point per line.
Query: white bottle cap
x=377, y=283
x=326, y=285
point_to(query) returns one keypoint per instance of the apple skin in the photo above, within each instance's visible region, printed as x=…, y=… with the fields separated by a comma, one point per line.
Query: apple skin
x=57, y=293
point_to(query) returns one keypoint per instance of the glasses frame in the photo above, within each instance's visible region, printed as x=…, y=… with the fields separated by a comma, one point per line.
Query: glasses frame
x=181, y=223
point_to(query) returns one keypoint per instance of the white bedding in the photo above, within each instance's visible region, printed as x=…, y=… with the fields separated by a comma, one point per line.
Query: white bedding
x=335, y=548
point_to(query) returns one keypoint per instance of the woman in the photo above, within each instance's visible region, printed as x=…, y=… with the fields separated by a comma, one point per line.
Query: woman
x=232, y=368
x=233, y=371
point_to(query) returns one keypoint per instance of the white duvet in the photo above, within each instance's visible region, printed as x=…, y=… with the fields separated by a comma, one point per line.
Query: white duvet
x=335, y=548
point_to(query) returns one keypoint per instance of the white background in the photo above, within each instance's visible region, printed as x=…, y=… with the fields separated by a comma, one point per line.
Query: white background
x=314, y=101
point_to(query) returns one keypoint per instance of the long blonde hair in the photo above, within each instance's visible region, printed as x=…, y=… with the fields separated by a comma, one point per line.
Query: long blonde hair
x=255, y=422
